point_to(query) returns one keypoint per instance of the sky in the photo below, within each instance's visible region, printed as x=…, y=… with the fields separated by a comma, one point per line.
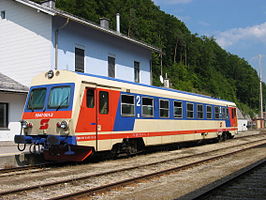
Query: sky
x=239, y=26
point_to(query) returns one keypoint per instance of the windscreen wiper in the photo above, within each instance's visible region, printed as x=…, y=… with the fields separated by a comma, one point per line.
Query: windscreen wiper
x=61, y=104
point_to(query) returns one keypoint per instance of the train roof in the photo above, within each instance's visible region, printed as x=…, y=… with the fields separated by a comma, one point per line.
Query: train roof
x=62, y=76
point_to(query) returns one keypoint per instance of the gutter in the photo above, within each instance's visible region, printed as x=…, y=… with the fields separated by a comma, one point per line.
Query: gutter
x=56, y=42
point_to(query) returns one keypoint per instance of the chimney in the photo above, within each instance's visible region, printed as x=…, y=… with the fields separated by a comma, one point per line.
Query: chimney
x=118, y=22
x=48, y=3
x=104, y=23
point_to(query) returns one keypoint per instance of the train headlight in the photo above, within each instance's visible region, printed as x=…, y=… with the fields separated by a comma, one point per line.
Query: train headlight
x=25, y=124
x=63, y=125
x=50, y=74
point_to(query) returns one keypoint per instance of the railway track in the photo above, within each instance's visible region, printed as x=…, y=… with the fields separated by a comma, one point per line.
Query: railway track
x=24, y=170
x=75, y=186
x=247, y=183
x=46, y=166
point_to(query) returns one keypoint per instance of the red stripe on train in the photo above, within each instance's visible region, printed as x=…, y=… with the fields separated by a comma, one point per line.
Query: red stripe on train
x=146, y=134
x=48, y=115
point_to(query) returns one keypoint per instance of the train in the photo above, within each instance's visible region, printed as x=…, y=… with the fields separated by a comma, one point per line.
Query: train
x=69, y=116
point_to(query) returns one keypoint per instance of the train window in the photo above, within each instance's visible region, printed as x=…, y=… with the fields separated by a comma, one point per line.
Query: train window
x=127, y=105
x=216, y=112
x=90, y=98
x=209, y=112
x=226, y=113
x=223, y=113
x=178, y=109
x=190, y=110
x=147, y=107
x=59, y=97
x=36, y=98
x=164, y=108
x=200, y=111
x=104, y=102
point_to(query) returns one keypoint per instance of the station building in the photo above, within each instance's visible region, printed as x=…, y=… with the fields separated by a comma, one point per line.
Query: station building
x=38, y=37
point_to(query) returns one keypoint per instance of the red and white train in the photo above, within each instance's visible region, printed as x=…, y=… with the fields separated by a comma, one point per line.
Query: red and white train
x=71, y=115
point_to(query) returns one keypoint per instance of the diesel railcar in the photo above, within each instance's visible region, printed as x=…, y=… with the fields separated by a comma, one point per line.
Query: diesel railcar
x=70, y=115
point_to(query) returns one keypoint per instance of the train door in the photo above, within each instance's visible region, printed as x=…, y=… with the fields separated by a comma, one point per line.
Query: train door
x=87, y=120
x=233, y=117
x=107, y=102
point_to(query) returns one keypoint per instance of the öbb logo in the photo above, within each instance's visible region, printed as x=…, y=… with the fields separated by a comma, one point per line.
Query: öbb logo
x=44, y=124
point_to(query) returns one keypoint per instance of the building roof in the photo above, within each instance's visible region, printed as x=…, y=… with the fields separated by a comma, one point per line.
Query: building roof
x=57, y=12
x=9, y=85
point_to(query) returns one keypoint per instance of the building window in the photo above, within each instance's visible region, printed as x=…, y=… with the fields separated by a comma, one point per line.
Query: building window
x=3, y=14
x=79, y=60
x=177, y=109
x=200, y=111
x=104, y=102
x=147, y=107
x=190, y=110
x=3, y=115
x=216, y=112
x=209, y=112
x=136, y=72
x=164, y=108
x=127, y=105
x=111, y=66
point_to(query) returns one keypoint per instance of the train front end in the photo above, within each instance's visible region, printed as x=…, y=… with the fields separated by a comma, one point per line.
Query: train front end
x=47, y=125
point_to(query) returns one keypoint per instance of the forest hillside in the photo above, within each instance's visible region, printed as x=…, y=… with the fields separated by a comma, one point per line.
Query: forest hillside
x=193, y=63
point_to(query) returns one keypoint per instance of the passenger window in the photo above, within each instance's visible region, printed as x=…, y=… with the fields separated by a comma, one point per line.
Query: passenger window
x=164, y=108
x=200, y=111
x=216, y=112
x=147, y=107
x=223, y=113
x=209, y=112
x=190, y=110
x=127, y=105
x=178, y=109
x=104, y=102
x=90, y=98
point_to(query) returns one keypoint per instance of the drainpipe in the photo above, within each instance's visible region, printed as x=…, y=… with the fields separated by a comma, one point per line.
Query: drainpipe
x=56, y=42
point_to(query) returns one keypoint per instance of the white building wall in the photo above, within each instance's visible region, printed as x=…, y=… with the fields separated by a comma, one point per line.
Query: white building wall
x=25, y=42
x=98, y=46
x=15, y=105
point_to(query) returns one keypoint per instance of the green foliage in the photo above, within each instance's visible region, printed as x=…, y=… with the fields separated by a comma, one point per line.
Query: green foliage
x=193, y=63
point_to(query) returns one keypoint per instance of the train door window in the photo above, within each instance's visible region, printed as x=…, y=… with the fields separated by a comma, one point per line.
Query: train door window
x=200, y=111
x=90, y=98
x=164, y=108
x=216, y=112
x=190, y=110
x=104, y=102
x=178, y=109
x=233, y=113
x=127, y=105
x=209, y=112
x=79, y=59
x=147, y=107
